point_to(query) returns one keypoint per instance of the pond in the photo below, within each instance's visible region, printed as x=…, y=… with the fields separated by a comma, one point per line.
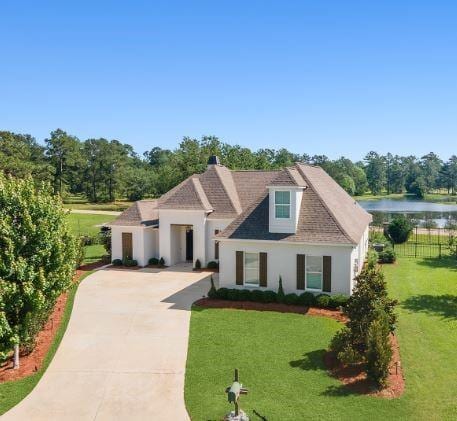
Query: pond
x=423, y=213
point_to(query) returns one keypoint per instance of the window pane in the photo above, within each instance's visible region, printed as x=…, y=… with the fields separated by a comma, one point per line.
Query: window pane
x=314, y=272
x=251, y=268
x=282, y=197
x=314, y=263
x=314, y=280
x=282, y=211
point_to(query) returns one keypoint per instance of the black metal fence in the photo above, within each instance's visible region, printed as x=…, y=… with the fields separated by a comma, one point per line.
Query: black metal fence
x=423, y=242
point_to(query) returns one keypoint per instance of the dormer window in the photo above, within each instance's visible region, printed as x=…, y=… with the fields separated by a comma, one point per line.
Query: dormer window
x=282, y=204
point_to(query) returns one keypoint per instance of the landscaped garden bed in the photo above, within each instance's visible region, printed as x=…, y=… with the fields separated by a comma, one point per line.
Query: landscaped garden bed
x=278, y=307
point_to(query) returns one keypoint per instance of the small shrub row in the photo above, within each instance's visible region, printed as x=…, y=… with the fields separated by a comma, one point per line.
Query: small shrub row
x=267, y=296
x=156, y=262
x=388, y=255
x=125, y=262
x=212, y=265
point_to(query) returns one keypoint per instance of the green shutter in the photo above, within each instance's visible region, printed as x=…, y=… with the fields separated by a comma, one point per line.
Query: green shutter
x=327, y=274
x=239, y=267
x=263, y=269
x=300, y=271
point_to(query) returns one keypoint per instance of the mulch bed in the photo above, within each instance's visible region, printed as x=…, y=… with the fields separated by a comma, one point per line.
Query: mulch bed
x=355, y=378
x=32, y=362
x=206, y=270
x=122, y=267
x=281, y=308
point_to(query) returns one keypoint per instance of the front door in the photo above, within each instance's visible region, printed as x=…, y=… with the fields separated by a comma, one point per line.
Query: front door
x=127, y=246
x=189, y=244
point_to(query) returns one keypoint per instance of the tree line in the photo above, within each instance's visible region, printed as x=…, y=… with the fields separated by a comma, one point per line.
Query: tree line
x=104, y=170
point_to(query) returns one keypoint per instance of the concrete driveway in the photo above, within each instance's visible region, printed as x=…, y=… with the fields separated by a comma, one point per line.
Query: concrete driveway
x=123, y=356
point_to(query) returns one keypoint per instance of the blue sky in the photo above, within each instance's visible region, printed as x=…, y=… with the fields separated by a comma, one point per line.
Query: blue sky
x=323, y=77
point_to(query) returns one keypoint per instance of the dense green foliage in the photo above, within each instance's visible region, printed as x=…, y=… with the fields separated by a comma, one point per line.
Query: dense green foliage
x=368, y=304
x=399, y=229
x=290, y=362
x=104, y=170
x=37, y=259
x=267, y=296
x=14, y=391
x=379, y=350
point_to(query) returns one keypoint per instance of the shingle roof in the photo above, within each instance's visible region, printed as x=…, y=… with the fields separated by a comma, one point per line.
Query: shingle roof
x=142, y=212
x=327, y=214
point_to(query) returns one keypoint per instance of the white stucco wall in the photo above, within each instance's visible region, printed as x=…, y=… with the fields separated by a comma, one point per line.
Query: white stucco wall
x=211, y=226
x=359, y=253
x=137, y=243
x=283, y=225
x=169, y=236
x=281, y=260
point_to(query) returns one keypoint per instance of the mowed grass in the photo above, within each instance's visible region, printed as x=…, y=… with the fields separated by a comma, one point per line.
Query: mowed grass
x=88, y=224
x=280, y=356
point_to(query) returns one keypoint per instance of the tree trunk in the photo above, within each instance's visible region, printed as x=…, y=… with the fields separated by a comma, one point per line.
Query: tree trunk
x=16, y=357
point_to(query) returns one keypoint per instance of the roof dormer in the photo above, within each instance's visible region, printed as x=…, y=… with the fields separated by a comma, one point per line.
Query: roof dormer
x=285, y=195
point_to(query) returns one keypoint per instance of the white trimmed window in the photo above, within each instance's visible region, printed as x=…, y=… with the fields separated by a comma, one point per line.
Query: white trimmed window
x=314, y=273
x=282, y=204
x=251, y=269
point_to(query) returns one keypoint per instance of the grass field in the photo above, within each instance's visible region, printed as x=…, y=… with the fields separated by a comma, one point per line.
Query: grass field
x=280, y=356
x=430, y=197
x=13, y=392
x=81, y=202
x=87, y=224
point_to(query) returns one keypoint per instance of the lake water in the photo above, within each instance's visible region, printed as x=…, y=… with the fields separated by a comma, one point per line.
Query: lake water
x=425, y=213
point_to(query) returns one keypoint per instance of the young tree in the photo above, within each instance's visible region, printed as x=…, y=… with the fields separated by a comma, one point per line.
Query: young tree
x=37, y=260
x=379, y=350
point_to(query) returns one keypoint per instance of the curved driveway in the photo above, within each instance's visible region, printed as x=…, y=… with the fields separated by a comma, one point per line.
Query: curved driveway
x=124, y=353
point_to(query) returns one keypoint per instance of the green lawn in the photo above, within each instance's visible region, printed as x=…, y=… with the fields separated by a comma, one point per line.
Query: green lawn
x=430, y=197
x=280, y=356
x=13, y=392
x=88, y=224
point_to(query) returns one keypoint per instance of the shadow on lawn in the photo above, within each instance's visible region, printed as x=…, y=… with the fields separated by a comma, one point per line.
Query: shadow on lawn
x=312, y=360
x=449, y=262
x=441, y=305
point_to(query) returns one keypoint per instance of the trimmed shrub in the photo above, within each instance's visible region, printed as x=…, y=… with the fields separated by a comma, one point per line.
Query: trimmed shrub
x=245, y=295
x=291, y=299
x=270, y=297
x=161, y=261
x=338, y=300
x=221, y=293
x=379, y=351
x=212, y=265
x=154, y=261
x=117, y=262
x=280, y=295
x=257, y=295
x=212, y=293
x=307, y=299
x=323, y=300
x=388, y=255
x=233, y=294
x=399, y=229
x=129, y=262
x=198, y=264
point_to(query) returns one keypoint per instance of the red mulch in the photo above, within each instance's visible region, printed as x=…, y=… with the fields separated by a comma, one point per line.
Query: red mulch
x=32, y=362
x=355, y=378
x=281, y=308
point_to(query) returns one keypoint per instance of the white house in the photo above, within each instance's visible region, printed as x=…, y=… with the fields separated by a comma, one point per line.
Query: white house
x=296, y=223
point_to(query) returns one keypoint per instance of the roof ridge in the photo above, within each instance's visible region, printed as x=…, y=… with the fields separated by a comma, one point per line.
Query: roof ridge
x=235, y=203
x=335, y=219
x=201, y=193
